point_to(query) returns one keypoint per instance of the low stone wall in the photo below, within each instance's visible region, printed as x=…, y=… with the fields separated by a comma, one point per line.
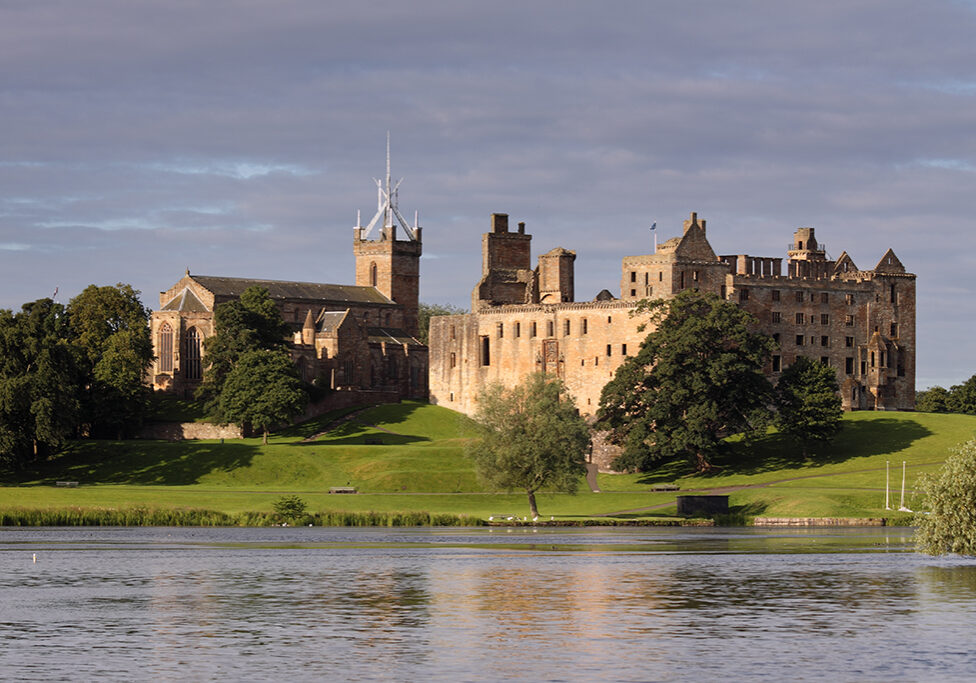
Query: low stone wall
x=604, y=452
x=180, y=431
x=818, y=521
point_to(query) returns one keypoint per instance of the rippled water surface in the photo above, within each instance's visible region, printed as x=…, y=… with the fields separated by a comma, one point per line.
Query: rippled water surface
x=445, y=604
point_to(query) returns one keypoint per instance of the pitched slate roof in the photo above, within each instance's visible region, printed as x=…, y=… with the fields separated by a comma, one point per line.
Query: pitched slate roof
x=283, y=289
x=329, y=320
x=185, y=301
x=389, y=334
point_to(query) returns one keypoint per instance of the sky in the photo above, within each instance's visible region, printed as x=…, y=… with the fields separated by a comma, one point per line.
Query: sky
x=140, y=139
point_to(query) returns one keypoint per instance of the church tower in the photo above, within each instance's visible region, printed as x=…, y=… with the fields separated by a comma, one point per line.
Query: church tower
x=389, y=263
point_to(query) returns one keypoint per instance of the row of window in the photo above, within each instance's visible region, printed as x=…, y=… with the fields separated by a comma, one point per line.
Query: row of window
x=800, y=296
x=486, y=353
x=533, y=328
x=849, y=364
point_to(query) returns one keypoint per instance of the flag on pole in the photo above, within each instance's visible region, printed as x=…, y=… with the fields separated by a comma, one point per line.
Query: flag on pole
x=654, y=225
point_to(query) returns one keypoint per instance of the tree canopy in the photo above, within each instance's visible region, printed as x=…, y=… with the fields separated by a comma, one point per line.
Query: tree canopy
x=263, y=389
x=808, y=407
x=934, y=400
x=950, y=525
x=695, y=380
x=532, y=437
x=40, y=372
x=111, y=327
x=428, y=311
x=251, y=323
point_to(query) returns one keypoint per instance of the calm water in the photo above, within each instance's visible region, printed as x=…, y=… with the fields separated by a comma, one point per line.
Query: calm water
x=625, y=604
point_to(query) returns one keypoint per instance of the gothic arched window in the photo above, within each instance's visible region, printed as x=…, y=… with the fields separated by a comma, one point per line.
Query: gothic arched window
x=165, y=348
x=372, y=274
x=192, y=368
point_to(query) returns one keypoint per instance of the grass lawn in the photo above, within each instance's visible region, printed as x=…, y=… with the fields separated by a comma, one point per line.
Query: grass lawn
x=410, y=457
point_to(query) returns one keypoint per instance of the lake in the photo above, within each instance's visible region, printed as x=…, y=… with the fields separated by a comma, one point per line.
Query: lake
x=482, y=604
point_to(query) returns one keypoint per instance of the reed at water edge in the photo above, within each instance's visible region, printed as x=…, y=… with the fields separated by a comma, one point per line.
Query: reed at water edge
x=141, y=516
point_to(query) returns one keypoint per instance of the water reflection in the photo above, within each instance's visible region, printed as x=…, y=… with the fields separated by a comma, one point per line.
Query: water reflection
x=446, y=605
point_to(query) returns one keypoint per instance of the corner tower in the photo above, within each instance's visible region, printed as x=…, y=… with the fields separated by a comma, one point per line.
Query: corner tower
x=389, y=264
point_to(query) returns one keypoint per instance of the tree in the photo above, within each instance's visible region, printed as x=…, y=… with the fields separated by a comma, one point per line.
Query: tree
x=39, y=382
x=807, y=403
x=111, y=327
x=428, y=311
x=532, y=437
x=290, y=508
x=934, y=400
x=695, y=380
x=962, y=397
x=950, y=526
x=263, y=389
x=251, y=323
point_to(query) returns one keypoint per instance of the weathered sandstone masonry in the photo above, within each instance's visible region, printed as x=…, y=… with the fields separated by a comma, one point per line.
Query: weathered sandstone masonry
x=860, y=322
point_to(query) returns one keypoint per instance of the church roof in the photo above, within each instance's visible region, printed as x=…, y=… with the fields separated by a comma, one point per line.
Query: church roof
x=329, y=320
x=185, y=301
x=389, y=334
x=283, y=289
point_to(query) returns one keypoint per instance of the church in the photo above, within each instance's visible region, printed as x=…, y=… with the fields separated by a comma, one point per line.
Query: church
x=359, y=338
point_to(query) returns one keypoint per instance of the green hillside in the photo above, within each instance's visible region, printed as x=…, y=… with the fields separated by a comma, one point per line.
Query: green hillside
x=410, y=457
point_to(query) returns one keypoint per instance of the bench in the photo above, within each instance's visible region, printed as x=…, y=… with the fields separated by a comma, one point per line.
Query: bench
x=342, y=489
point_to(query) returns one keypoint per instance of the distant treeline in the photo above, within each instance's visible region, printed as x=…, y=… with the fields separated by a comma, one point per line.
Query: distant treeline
x=960, y=398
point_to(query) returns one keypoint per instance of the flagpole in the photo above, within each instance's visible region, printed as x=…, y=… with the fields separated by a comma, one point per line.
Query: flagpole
x=654, y=232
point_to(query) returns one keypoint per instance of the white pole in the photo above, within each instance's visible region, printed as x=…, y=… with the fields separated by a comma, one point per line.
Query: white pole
x=887, y=476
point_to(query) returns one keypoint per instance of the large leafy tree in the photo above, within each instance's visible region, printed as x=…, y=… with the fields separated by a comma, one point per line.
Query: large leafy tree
x=251, y=323
x=695, y=380
x=262, y=390
x=532, y=437
x=934, y=400
x=808, y=406
x=428, y=311
x=111, y=327
x=962, y=397
x=950, y=525
x=40, y=375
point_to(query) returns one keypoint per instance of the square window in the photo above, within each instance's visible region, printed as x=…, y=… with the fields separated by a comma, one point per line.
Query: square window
x=743, y=294
x=799, y=318
x=775, y=295
x=849, y=342
x=777, y=363
x=775, y=316
x=799, y=297
x=550, y=328
x=824, y=360
x=894, y=329
x=532, y=329
x=849, y=321
x=824, y=341
x=501, y=330
x=850, y=299
x=633, y=292
x=848, y=366
x=566, y=327
x=609, y=349
x=623, y=349
x=824, y=298
x=633, y=276
x=824, y=318
x=799, y=340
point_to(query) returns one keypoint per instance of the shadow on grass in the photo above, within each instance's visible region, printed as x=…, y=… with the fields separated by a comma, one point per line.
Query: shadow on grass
x=857, y=439
x=358, y=430
x=138, y=462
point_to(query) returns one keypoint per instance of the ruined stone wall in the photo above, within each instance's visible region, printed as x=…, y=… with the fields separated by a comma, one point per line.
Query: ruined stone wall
x=582, y=343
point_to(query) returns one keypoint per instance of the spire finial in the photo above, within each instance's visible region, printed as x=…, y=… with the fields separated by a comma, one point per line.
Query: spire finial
x=387, y=194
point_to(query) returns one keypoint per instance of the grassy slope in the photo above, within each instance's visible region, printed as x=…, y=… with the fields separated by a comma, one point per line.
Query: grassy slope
x=411, y=457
